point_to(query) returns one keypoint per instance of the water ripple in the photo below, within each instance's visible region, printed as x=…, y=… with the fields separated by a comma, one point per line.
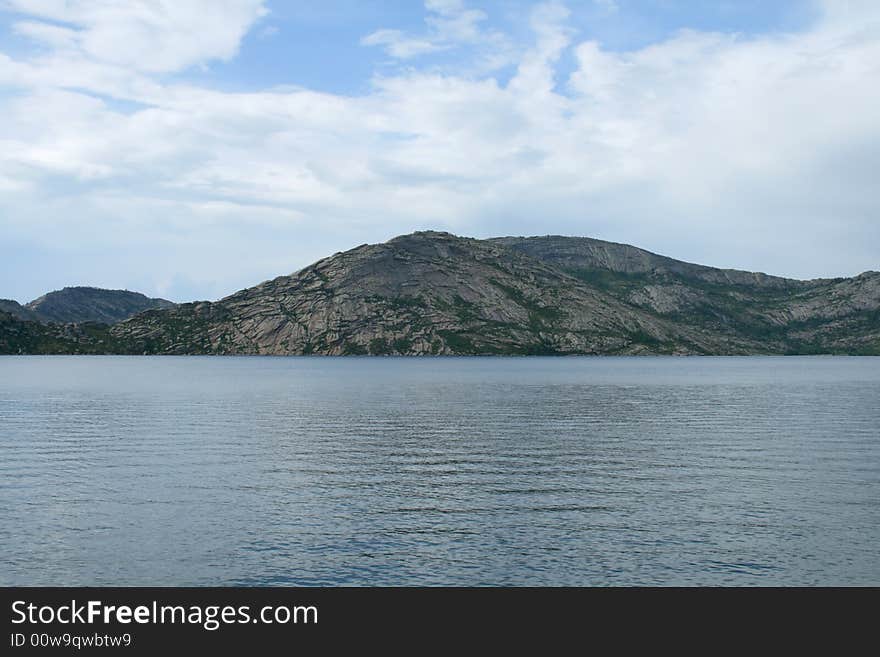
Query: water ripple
x=453, y=471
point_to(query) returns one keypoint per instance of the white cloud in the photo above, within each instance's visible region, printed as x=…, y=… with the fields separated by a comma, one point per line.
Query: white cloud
x=398, y=45
x=47, y=34
x=142, y=35
x=450, y=24
x=755, y=152
x=536, y=72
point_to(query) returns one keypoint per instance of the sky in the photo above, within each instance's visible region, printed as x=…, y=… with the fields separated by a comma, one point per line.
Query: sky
x=190, y=148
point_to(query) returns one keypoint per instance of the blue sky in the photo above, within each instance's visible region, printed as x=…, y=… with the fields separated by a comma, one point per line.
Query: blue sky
x=190, y=148
x=316, y=44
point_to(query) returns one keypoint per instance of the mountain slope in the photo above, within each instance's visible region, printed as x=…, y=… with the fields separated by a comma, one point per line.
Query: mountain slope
x=816, y=316
x=591, y=255
x=91, y=304
x=435, y=293
x=18, y=336
x=425, y=293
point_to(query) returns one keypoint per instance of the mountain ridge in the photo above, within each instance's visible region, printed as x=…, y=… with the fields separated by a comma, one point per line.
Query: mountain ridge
x=434, y=293
x=734, y=276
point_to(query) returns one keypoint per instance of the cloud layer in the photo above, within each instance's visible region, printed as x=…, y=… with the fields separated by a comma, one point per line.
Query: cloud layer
x=757, y=152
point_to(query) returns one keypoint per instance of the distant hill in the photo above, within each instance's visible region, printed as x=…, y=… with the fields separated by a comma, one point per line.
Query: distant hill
x=15, y=309
x=435, y=293
x=91, y=304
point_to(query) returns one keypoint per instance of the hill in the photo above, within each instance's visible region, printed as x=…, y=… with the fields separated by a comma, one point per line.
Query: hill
x=91, y=304
x=435, y=293
x=790, y=316
x=15, y=309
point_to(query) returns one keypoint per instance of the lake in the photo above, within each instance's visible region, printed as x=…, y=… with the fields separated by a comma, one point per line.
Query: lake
x=439, y=471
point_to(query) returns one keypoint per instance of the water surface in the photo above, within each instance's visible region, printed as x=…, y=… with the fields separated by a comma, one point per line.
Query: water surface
x=456, y=471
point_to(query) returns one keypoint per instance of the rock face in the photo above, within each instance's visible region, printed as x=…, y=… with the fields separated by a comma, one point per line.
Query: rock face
x=435, y=293
x=584, y=255
x=783, y=315
x=90, y=304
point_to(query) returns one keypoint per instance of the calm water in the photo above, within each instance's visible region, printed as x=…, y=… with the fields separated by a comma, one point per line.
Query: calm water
x=301, y=471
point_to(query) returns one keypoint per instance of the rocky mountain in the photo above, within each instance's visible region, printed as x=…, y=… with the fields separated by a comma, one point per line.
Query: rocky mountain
x=435, y=293
x=90, y=304
x=584, y=255
x=785, y=315
x=70, y=321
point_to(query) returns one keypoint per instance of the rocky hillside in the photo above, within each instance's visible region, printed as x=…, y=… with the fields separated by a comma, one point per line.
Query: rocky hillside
x=19, y=336
x=584, y=255
x=74, y=320
x=434, y=293
x=816, y=316
x=91, y=304
x=426, y=293
x=18, y=311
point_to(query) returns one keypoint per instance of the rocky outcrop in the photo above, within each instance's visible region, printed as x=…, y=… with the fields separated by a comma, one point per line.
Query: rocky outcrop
x=791, y=316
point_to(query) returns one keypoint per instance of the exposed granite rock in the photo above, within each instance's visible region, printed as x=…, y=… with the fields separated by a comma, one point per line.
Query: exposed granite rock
x=588, y=255
x=435, y=293
x=816, y=316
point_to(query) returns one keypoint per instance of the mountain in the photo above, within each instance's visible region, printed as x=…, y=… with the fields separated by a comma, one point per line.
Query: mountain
x=90, y=304
x=818, y=316
x=435, y=293
x=584, y=255
x=70, y=321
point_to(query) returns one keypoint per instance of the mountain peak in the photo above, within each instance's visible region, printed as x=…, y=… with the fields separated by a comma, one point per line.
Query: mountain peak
x=421, y=236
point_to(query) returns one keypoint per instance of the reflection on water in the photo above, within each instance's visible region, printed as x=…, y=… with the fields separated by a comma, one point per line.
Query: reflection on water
x=325, y=471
